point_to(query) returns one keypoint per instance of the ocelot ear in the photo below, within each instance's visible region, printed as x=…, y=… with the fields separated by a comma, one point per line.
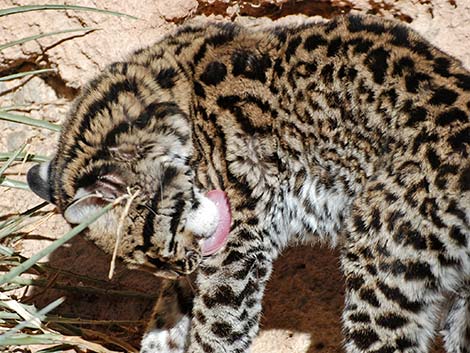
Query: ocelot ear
x=38, y=181
x=88, y=200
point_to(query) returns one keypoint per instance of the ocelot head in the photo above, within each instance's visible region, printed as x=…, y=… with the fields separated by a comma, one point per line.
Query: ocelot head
x=125, y=137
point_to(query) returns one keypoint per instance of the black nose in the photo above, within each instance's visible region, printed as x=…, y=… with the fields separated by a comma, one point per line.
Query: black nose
x=38, y=185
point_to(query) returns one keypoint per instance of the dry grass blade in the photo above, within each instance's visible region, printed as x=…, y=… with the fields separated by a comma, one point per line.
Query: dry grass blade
x=124, y=213
x=112, y=340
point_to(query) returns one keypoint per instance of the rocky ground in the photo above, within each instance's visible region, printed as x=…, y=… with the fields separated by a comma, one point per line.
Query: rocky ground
x=304, y=298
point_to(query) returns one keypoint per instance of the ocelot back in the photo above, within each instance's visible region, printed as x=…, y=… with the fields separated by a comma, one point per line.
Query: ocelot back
x=355, y=132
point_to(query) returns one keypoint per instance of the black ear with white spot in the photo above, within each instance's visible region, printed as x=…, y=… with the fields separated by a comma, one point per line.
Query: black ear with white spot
x=38, y=181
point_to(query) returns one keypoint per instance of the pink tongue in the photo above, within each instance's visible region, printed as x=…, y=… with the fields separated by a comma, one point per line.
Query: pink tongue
x=219, y=238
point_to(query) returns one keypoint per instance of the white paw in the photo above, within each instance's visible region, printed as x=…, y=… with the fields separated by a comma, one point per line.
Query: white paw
x=173, y=340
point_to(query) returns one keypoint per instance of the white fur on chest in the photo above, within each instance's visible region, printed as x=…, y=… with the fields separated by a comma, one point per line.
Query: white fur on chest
x=314, y=214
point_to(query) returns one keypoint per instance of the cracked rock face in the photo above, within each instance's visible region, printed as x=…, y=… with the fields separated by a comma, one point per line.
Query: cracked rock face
x=304, y=300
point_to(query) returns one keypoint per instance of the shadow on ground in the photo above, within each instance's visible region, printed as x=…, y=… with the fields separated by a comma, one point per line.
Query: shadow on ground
x=304, y=295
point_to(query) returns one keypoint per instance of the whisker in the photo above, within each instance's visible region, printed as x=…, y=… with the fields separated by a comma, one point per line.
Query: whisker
x=149, y=208
x=161, y=186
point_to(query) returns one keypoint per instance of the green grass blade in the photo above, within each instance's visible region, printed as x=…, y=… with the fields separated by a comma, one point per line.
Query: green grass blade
x=22, y=119
x=11, y=183
x=5, y=251
x=31, y=157
x=13, y=224
x=11, y=159
x=55, y=245
x=14, y=107
x=20, y=9
x=9, y=316
x=25, y=339
x=48, y=34
x=23, y=74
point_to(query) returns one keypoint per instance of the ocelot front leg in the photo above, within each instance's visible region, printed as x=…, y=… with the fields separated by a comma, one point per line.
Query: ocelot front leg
x=168, y=328
x=230, y=287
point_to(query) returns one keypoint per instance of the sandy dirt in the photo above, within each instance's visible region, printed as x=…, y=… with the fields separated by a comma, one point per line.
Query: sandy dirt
x=304, y=298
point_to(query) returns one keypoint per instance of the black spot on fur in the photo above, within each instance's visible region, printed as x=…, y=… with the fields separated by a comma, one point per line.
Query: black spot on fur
x=464, y=179
x=369, y=296
x=214, y=73
x=400, y=35
x=278, y=68
x=199, y=90
x=292, y=47
x=359, y=317
x=443, y=96
x=391, y=321
x=354, y=282
x=221, y=329
x=200, y=54
x=416, y=115
x=250, y=65
x=148, y=228
x=414, y=79
x=334, y=46
x=364, y=338
x=422, y=48
x=460, y=141
x=403, y=343
x=352, y=74
x=453, y=207
x=418, y=271
x=433, y=158
x=429, y=208
x=377, y=63
x=314, y=41
x=166, y=77
x=463, y=81
x=375, y=223
x=451, y=115
x=404, y=64
x=357, y=24
x=327, y=73
x=392, y=219
x=359, y=224
x=456, y=234
x=441, y=66
x=423, y=138
x=227, y=34
x=394, y=294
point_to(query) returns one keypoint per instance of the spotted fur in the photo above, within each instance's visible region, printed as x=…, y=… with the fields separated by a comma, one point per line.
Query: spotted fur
x=355, y=132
